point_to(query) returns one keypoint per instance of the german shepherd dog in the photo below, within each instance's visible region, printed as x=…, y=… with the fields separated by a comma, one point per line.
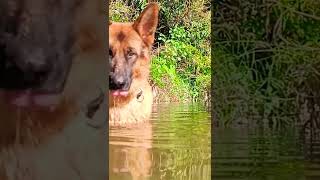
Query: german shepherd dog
x=130, y=94
x=52, y=72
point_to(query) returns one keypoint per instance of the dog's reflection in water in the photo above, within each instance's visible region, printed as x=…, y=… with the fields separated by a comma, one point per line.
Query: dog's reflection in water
x=130, y=151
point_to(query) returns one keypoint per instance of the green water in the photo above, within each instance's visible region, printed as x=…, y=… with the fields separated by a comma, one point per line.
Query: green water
x=262, y=154
x=174, y=145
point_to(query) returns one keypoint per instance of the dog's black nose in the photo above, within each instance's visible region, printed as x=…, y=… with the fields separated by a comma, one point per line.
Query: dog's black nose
x=36, y=62
x=119, y=83
x=23, y=72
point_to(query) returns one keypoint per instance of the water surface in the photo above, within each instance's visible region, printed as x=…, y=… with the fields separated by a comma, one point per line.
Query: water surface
x=264, y=154
x=174, y=145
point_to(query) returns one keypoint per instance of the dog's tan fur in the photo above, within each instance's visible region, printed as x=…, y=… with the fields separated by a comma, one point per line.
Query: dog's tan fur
x=140, y=35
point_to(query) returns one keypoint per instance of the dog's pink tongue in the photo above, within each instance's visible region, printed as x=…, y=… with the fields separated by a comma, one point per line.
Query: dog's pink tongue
x=119, y=93
x=46, y=99
x=24, y=99
x=21, y=99
x=123, y=93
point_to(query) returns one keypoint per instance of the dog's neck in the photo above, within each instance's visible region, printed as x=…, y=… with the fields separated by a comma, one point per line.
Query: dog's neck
x=119, y=101
x=22, y=125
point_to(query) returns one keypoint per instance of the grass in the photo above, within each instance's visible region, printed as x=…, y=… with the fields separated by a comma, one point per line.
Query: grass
x=266, y=61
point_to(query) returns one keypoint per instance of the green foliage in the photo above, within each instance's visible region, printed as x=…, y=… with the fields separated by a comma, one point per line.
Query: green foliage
x=265, y=58
x=182, y=65
x=181, y=68
x=119, y=11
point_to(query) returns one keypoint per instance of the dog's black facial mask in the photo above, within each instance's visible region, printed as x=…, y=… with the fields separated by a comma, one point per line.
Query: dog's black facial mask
x=35, y=44
x=121, y=64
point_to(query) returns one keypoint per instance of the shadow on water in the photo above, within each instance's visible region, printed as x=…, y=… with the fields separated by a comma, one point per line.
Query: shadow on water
x=174, y=145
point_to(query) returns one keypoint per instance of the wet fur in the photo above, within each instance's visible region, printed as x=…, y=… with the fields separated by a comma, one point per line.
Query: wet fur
x=124, y=111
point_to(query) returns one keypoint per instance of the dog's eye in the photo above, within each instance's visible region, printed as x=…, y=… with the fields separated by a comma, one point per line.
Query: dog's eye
x=131, y=53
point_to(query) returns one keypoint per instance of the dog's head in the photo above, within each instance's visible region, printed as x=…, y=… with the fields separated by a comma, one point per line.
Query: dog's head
x=35, y=43
x=129, y=45
x=51, y=57
x=36, y=49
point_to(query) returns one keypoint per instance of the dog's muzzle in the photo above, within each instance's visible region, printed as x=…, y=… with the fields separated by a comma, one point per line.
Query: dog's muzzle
x=119, y=81
x=33, y=79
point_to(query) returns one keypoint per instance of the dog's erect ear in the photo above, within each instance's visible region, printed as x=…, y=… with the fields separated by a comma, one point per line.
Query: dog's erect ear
x=147, y=22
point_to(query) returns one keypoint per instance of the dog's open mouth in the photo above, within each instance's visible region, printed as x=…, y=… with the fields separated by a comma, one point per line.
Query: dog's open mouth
x=119, y=93
x=28, y=98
